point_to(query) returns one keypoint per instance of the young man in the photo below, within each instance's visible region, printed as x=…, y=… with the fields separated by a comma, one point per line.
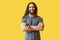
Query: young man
x=32, y=23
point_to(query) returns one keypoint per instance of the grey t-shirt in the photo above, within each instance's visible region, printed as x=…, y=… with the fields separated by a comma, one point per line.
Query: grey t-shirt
x=33, y=21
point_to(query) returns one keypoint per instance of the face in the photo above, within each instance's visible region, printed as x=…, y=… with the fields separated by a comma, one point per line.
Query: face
x=31, y=8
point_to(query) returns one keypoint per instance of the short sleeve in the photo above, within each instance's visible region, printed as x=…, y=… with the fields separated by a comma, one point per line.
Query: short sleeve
x=23, y=20
x=40, y=19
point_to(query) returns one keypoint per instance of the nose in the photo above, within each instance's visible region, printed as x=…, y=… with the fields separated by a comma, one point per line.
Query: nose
x=31, y=8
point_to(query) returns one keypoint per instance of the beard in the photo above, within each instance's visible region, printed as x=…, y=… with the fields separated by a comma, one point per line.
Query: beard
x=31, y=12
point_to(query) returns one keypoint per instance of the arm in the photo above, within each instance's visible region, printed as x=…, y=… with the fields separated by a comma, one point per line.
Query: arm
x=39, y=27
x=26, y=28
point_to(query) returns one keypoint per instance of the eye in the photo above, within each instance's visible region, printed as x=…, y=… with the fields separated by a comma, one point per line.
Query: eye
x=29, y=7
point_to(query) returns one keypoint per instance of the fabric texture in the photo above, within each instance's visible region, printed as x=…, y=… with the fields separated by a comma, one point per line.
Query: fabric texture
x=33, y=35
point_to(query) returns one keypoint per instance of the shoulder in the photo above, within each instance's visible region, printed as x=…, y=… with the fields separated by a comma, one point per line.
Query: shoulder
x=39, y=17
x=25, y=17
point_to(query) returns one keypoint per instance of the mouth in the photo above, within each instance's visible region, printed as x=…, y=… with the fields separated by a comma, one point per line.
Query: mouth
x=31, y=11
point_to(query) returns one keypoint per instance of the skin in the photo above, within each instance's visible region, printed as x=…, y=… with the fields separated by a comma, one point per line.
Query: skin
x=39, y=27
x=31, y=9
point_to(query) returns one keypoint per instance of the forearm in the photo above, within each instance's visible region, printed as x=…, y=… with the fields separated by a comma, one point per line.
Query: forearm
x=37, y=28
x=26, y=28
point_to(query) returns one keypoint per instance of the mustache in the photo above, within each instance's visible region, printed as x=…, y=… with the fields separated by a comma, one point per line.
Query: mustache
x=31, y=12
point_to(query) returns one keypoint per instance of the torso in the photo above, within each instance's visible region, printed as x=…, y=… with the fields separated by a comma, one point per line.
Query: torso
x=34, y=35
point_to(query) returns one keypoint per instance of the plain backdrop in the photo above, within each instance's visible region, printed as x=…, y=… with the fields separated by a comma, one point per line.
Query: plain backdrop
x=11, y=12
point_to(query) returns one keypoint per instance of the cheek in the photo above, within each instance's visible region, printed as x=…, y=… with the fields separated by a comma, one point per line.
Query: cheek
x=32, y=9
x=29, y=8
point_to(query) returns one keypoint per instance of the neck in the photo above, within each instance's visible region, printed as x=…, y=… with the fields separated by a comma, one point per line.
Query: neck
x=31, y=15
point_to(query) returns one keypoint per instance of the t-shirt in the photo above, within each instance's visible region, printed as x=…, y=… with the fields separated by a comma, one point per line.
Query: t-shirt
x=33, y=21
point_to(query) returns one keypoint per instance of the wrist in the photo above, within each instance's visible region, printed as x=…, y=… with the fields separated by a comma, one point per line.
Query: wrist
x=29, y=26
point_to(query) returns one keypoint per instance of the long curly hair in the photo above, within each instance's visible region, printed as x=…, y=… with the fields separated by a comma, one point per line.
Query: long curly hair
x=27, y=9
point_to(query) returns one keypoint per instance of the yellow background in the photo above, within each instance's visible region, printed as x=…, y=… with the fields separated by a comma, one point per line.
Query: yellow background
x=11, y=12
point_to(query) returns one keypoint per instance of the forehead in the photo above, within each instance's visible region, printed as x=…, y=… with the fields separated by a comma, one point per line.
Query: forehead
x=31, y=5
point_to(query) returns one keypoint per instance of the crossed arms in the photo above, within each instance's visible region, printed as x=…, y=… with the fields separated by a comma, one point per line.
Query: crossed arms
x=39, y=27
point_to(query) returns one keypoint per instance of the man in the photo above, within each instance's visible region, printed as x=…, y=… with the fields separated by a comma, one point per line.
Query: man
x=32, y=23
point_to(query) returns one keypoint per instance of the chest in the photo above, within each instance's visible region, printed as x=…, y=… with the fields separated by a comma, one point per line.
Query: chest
x=32, y=21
